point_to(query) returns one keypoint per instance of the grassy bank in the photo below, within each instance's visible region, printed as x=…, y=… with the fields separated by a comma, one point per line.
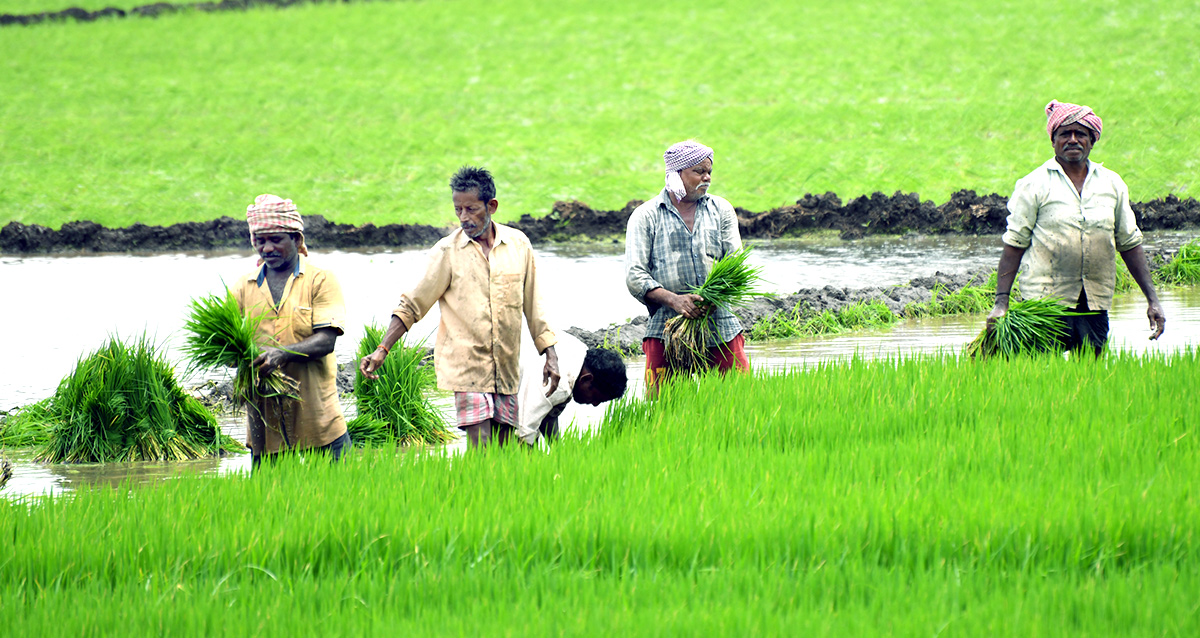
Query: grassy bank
x=361, y=111
x=858, y=498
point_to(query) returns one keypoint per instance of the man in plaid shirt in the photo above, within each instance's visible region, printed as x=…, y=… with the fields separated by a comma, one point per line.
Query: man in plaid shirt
x=670, y=246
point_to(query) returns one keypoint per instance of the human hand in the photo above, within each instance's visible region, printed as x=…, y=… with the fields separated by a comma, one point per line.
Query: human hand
x=270, y=359
x=688, y=305
x=998, y=311
x=550, y=373
x=1158, y=319
x=372, y=362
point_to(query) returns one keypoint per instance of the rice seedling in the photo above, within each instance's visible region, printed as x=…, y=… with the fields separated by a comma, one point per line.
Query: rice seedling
x=395, y=408
x=27, y=427
x=731, y=283
x=856, y=498
x=1183, y=269
x=220, y=336
x=965, y=300
x=1030, y=327
x=801, y=321
x=122, y=403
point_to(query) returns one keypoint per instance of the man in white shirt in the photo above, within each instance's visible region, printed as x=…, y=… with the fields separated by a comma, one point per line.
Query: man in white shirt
x=1073, y=217
x=589, y=376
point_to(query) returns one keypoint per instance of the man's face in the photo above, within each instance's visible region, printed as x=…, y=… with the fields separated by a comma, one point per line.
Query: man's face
x=474, y=214
x=585, y=392
x=278, y=250
x=696, y=180
x=1072, y=143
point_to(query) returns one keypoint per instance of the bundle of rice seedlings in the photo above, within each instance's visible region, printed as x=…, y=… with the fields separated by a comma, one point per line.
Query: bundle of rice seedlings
x=395, y=407
x=1184, y=269
x=27, y=427
x=122, y=403
x=730, y=284
x=220, y=336
x=1030, y=327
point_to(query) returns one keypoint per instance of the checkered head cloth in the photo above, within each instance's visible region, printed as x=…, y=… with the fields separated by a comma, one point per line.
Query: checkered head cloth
x=683, y=156
x=273, y=214
x=1064, y=113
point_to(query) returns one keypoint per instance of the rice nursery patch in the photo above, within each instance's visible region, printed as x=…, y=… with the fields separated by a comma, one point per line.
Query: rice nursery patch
x=802, y=321
x=1183, y=269
x=883, y=497
x=395, y=408
x=120, y=403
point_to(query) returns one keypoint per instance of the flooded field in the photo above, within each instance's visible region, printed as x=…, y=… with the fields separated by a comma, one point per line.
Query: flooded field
x=71, y=304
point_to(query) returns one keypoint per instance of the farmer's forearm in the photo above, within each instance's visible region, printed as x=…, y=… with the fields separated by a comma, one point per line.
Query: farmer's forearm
x=1006, y=271
x=318, y=345
x=1135, y=260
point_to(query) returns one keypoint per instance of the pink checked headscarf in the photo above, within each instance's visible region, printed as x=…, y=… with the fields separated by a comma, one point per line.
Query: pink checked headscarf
x=1064, y=113
x=680, y=157
x=273, y=214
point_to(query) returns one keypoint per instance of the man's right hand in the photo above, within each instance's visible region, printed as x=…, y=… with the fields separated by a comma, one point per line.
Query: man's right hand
x=371, y=363
x=999, y=310
x=686, y=305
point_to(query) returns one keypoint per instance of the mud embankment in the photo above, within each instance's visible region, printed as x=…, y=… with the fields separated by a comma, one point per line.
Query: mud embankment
x=965, y=213
x=144, y=11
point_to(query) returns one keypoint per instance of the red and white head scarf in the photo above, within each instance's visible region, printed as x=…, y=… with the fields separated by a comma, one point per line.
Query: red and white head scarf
x=681, y=157
x=273, y=214
x=1064, y=113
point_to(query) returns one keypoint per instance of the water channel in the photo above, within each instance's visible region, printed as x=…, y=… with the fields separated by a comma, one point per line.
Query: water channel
x=63, y=307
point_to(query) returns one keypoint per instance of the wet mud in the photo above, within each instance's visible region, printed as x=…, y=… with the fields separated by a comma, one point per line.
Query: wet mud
x=152, y=10
x=965, y=213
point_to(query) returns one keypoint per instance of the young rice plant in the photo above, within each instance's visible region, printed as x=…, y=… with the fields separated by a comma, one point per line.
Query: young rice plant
x=730, y=284
x=395, y=408
x=1030, y=327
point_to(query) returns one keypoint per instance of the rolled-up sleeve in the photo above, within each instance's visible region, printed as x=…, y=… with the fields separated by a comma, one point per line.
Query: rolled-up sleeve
x=415, y=303
x=535, y=314
x=329, y=306
x=731, y=236
x=1126, y=233
x=639, y=238
x=1022, y=214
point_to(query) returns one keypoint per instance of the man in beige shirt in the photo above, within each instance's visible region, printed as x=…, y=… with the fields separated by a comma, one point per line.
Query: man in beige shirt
x=303, y=315
x=1073, y=217
x=483, y=278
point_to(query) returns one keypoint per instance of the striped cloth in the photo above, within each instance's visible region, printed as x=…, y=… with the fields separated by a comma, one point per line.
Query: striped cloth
x=680, y=157
x=476, y=407
x=273, y=214
x=1064, y=113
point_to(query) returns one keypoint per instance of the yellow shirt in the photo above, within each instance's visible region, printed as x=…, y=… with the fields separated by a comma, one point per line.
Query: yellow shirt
x=481, y=301
x=311, y=299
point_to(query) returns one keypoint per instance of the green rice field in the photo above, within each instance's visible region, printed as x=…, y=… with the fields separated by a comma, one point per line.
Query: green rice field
x=361, y=111
x=926, y=496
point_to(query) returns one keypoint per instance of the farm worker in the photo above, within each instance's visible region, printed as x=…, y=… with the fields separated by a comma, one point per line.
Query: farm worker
x=589, y=375
x=483, y=277
x=670, y=245
x=304, y=315
x=1067, y=220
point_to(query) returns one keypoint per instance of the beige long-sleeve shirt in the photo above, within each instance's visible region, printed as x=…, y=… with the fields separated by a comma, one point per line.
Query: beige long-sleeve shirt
x=481, y=300
x=1071, y=238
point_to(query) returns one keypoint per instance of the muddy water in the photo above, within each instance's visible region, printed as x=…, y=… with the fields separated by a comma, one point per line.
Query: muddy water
x=70, y=304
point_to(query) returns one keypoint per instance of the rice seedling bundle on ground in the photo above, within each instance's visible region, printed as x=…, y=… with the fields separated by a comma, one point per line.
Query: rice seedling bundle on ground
x=1030, y=327
x=395, y=408
x=1030, y=497
x=221, y=336
x=1184, y=268
x=730, y=284
x=122, y=403
x=27, y=427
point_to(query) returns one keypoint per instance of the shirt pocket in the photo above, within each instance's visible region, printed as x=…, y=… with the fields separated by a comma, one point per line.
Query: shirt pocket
x=711, y=237
x=1101, y=212
x=302, y=321
x=509, y=289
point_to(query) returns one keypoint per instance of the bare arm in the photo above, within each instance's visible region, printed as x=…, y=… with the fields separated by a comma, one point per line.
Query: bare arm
x=683, y=304
x=1135, y=260
x=374, y=361
x=1006, y=272
x=318, y=345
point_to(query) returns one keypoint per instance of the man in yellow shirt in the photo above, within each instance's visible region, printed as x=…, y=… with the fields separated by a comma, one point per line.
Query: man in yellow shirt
x=304, y=314
x=483, y=278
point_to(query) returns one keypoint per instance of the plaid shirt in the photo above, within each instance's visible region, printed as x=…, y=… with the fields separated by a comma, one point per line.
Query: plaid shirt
x=660, y=252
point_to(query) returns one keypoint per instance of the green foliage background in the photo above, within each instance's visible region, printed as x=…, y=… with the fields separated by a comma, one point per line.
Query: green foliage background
x=361, y=111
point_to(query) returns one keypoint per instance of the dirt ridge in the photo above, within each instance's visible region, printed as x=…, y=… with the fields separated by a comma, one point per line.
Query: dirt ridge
x=152, y=10
x=965, y=213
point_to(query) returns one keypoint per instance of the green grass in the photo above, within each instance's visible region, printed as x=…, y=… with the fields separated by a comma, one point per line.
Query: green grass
x=120, y=403
x=361, y=111
x=1183, y=269
x=905, y=497
x=802, y=321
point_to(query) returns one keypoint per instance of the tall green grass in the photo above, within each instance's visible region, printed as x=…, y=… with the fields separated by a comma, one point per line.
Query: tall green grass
x=1184, y=267
x=395, y=408
x=902, y=497
x=120, y=403
x=366, y=109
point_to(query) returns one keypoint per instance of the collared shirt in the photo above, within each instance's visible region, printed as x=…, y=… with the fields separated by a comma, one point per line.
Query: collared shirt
x=533, y=405
x=311, y=299
x=1072, y=238
x=660, y=252
x=481, y=301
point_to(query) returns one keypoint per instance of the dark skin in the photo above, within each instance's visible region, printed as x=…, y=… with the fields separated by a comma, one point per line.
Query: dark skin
x=1072, y=145
x=696, y=181
x=475, y=217
x=279, y=254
